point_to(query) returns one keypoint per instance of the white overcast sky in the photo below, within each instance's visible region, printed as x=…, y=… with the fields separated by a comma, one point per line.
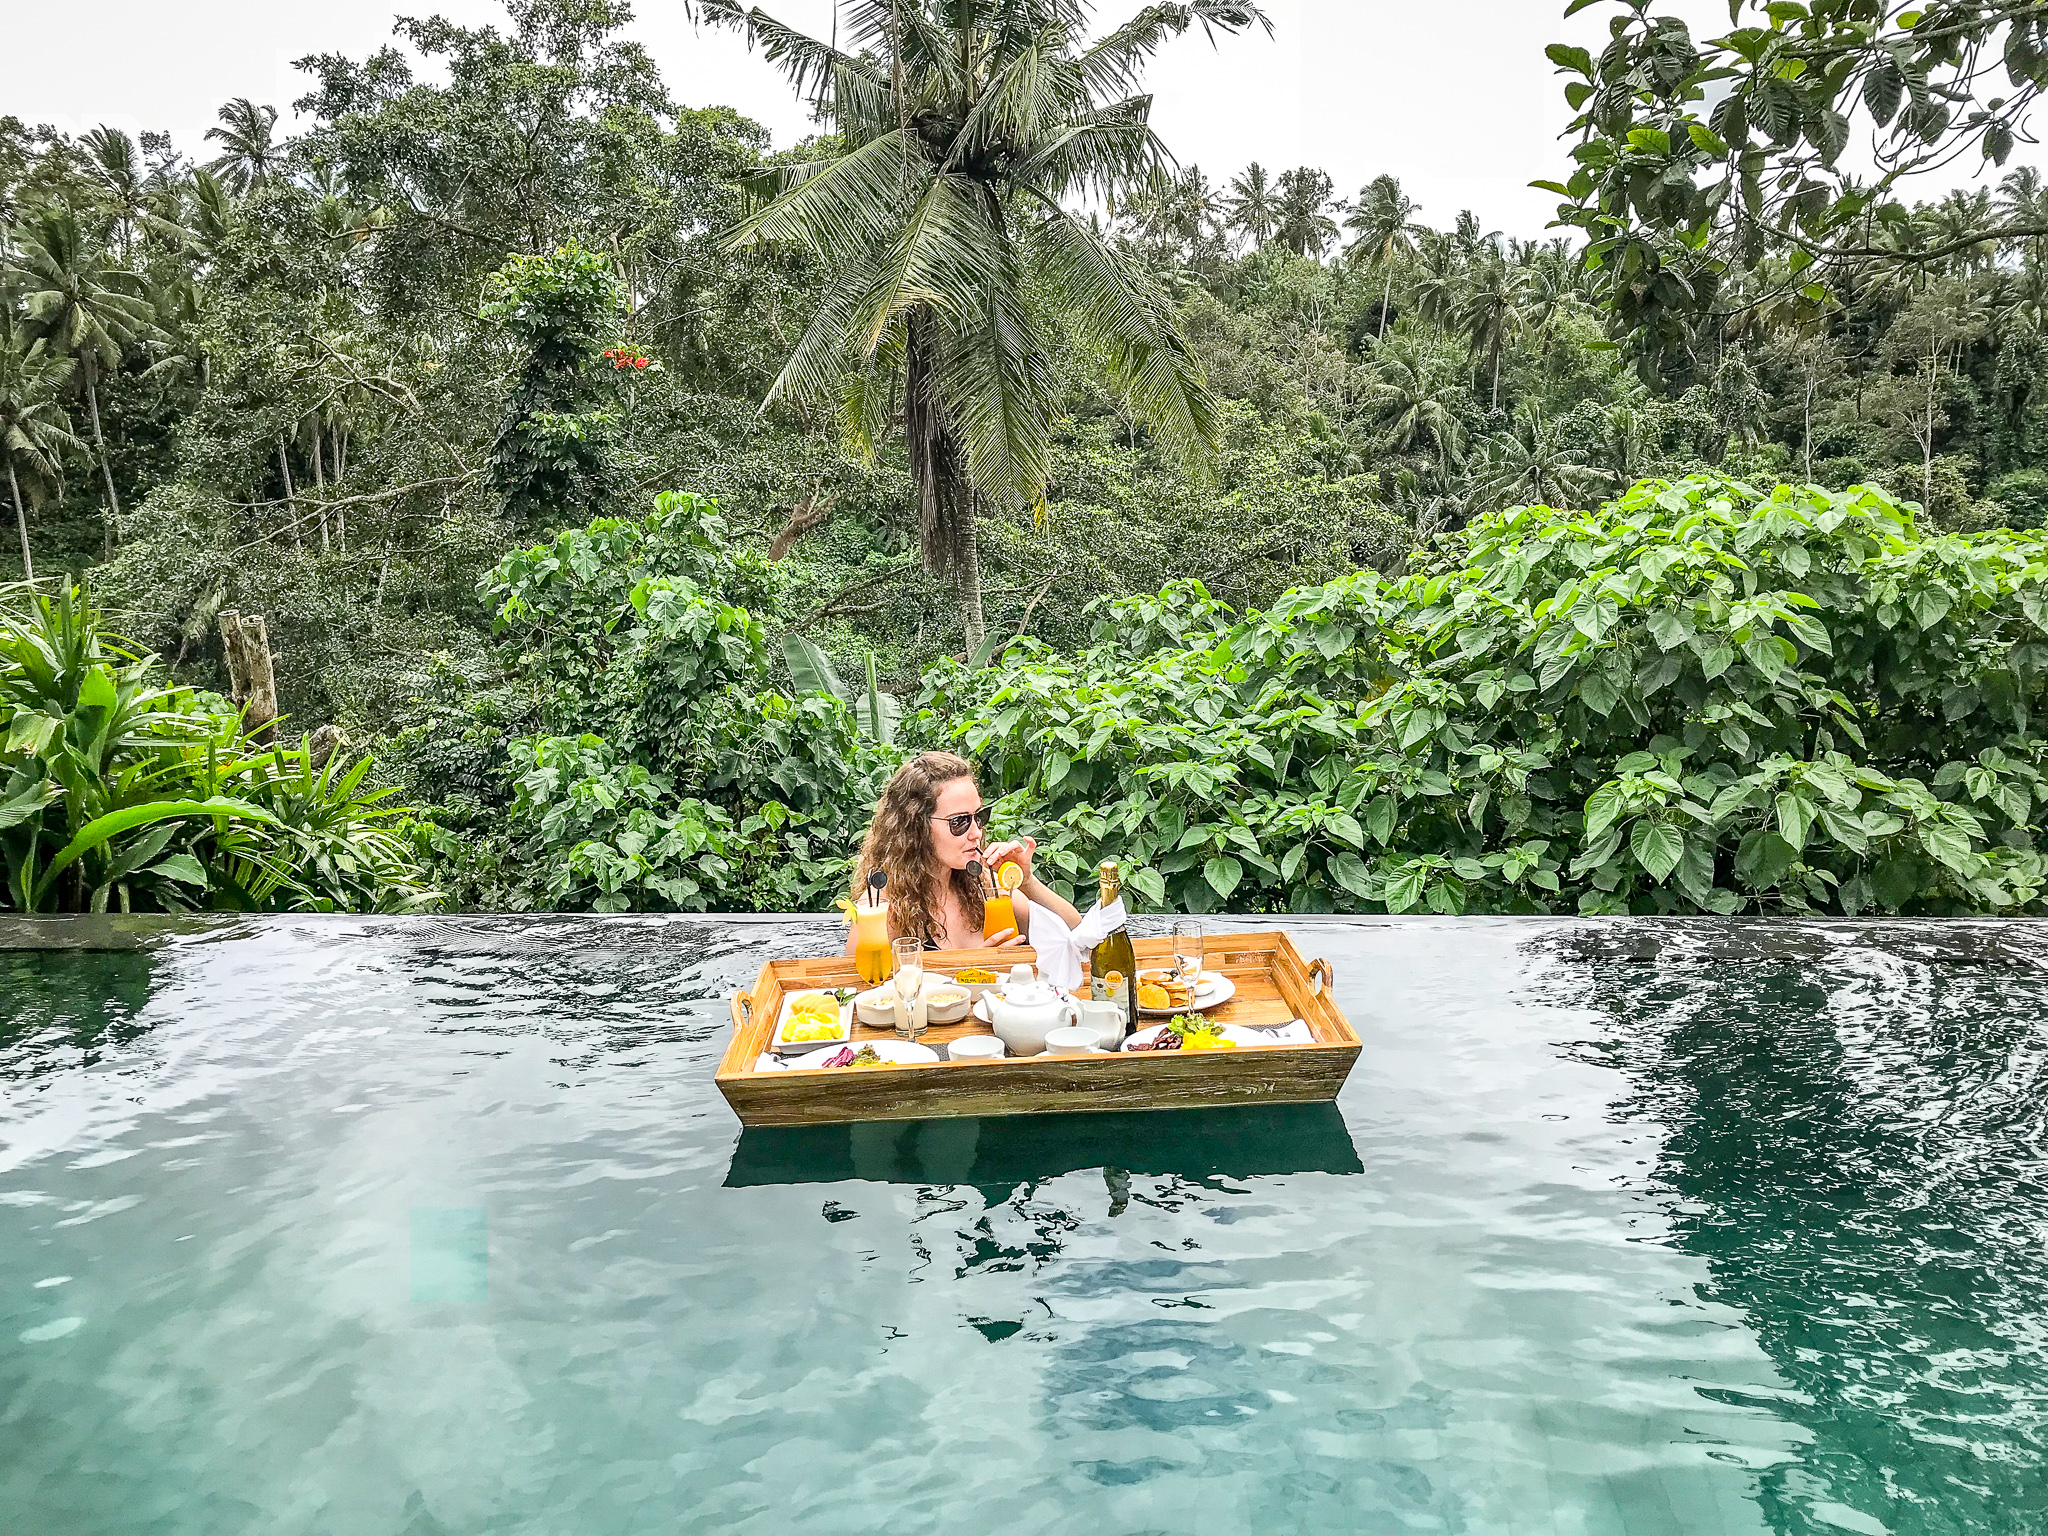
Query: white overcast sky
x=1454, y=96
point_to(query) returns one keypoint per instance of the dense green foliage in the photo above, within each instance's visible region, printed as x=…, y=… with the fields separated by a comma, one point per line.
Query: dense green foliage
x=1699, y=157
x=426, y=394
x=1701, y=697
x=629, y=749
x=123, y=790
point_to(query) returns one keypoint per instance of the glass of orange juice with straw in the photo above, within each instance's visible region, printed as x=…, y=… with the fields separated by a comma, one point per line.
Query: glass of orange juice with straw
x=872, y=957
x=999, y=913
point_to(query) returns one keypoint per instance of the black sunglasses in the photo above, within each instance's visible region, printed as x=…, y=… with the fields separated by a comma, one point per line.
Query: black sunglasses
x=958, y=825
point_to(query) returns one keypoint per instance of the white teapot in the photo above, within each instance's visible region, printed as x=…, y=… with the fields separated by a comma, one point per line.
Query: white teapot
x=1024, y=1010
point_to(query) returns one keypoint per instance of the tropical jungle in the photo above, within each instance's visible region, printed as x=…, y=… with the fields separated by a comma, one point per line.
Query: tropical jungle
x=516, y=489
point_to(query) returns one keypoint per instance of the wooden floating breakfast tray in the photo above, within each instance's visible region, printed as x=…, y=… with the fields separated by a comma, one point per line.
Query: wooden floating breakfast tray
x=1273, y=986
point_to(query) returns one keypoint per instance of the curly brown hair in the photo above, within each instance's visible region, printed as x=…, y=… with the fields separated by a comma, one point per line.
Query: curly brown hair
x=899, y=843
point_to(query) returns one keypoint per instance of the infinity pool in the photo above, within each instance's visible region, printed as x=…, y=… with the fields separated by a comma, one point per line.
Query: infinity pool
x=439, y=1227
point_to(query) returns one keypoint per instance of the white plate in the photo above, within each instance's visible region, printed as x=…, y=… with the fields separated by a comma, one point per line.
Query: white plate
x=1207, y=996
x=902, y=1052
x=1230, y=1032
x=784, y=1047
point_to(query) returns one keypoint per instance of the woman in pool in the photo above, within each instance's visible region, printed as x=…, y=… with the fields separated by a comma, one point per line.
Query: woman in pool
x=929, y=825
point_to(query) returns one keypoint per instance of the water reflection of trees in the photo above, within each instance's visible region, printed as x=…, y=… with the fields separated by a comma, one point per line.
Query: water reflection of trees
x=1855, y=1145
x=604, y=989
x=64, y=1009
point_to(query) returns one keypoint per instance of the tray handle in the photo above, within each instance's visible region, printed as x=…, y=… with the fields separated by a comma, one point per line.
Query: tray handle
x=743, y=1002
x=1322, y=976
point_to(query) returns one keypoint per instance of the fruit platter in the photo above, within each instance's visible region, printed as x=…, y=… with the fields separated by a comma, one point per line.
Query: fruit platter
x=812, y=1044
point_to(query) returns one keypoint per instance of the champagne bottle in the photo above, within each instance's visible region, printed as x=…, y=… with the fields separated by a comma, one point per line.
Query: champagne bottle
x=1113, y=965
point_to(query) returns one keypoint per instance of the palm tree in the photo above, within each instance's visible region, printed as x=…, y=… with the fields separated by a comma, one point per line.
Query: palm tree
x=1172, y=216
x=1470, y=241
x=1250, y=206
x=35, y=432
x=962, y=132
x=1529, y=464
x=125, y=181
x=93, y=309
x=1957, y=217
x=1304, y=224
x=1414, y=398
x=1491, y=309
x=1552, y=289
x=1195, y=212
x=208, y=216
x=2023, y=199
x=1438, y=278
x=248, y=157
x=1383, y=223
x=1626, y=441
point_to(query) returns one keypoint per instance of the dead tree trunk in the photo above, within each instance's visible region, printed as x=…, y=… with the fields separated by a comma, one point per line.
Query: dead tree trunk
x=252, y=679
x=803, y=517
x=325, y=742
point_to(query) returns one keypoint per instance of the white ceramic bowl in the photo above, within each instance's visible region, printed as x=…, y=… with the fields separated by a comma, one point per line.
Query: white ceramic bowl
x=936, y=1012
x=876, y=1007
x=975, y=988
x=1072, y=1040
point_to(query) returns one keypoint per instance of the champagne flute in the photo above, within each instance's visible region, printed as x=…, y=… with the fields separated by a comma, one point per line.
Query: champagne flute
x=1187, y=955
x=909, y=956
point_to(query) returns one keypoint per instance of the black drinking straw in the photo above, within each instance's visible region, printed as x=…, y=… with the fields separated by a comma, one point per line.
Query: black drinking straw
x=877, y=878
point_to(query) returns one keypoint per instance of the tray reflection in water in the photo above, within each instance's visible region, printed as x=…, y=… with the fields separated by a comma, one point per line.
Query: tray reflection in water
x=1244, y=1141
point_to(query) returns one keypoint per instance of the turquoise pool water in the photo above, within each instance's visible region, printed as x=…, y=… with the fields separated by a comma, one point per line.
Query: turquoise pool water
x=439, y=1226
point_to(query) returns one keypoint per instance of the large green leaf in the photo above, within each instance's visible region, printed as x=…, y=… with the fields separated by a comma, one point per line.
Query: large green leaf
x=1658, y=846
x=811, y=670
x=1223, y=874
x=96, y=832
x=1349, y=871
x=879, y=712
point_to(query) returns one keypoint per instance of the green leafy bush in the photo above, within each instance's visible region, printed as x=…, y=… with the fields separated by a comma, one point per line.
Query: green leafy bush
x=658, y=768
x=1701, y=697
x=557, y=446
x=2022, y=496
x=121, y=790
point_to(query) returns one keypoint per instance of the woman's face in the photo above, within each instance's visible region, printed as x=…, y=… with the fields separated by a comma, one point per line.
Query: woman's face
x=956, y=797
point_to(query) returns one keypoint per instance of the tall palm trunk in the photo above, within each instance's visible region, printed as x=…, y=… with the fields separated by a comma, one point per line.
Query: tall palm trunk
x=335, y=440
x=1806, y=432
x=28, y=564
x=291, y=496
x=99, y=441
x=1386, y=301
x=945, y=501
x=1927, y=448
x=320, y=491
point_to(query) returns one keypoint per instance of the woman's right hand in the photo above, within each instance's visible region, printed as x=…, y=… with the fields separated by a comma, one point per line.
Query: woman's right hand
x=1017, y=851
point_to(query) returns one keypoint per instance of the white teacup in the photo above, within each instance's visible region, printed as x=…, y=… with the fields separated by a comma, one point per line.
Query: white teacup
x=976, y=1048
x=1071, y=1040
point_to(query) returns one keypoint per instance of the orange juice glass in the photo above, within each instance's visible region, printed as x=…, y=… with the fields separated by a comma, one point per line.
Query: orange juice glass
x=871, y=954
x=999, y=912
x=998, y=915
